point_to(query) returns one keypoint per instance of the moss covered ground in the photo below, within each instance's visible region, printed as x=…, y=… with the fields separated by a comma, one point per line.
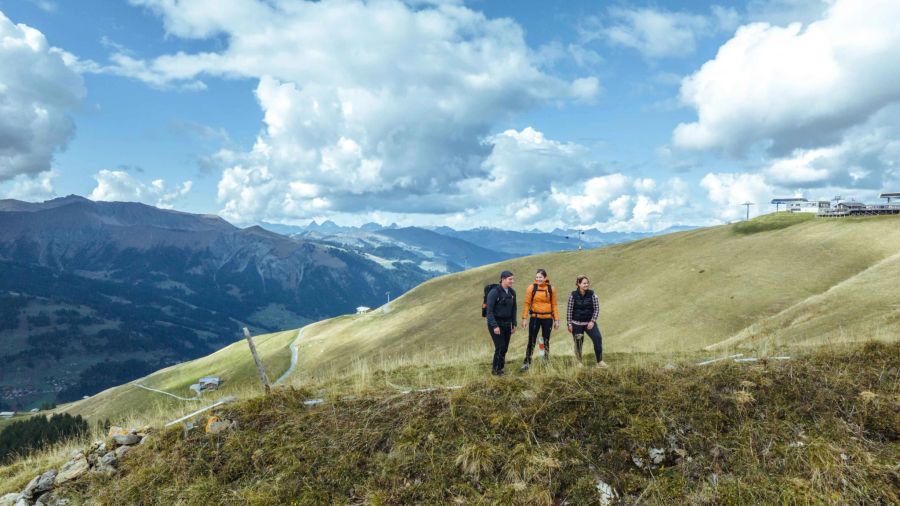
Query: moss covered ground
x=821, y=428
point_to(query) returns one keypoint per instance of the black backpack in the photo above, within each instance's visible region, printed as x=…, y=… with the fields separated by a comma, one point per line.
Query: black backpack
x=487, y=290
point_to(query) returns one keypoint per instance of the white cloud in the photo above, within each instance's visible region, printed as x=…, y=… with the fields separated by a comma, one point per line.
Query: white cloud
x=37, y=90
x=377, y=106
x=525, y=163
x=867, y=158
x=657, y=33
x=796, y=86
x=45, y=5
x=120, y=186
x=619, y=202
x=32, y=188
x=729, y=190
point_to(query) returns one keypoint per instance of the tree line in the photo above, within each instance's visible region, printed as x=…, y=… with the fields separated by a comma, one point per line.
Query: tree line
x=25, y=436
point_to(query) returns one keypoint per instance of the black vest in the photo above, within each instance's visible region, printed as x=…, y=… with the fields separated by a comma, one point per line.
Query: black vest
x=582, y=306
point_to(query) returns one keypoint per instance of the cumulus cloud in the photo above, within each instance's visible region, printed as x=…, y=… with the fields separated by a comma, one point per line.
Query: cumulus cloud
x=32, y=188
x=796, y=86
x=729, y=190
x=866, y=158
x=659, y=33
x=368, y=106
x=116, y=185
x=37, y=91
x=619, y=202
x=863, y=164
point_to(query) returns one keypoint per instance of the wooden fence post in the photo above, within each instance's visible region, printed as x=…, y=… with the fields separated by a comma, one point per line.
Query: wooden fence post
x=259, y=365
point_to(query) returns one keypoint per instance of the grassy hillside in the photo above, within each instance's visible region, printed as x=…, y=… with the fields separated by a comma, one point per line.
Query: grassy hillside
x=765, y=433
x=777, y=280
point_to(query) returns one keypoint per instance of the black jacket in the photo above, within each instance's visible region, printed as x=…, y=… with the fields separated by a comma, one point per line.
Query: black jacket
x=501, y=307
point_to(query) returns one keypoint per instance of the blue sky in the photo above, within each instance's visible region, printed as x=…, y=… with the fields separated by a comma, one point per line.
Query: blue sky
x=615, y=115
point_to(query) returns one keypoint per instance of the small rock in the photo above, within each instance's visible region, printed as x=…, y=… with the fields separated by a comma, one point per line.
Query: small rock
x=52, y=499
x=119, y=431
x=144, y=431
x=109, y=459
x=44, y=483
x=72, y=469
x=637, y=461
x=101, y=469
x=10, y=499
x=126, y=439
x=657, y=455
x=216, y=425
x=97, y=445
x=607, y=494
x=670, y=367
x=122, y=450
x=28, y=491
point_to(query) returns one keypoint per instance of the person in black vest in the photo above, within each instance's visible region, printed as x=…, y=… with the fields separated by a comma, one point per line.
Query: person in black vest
x=581, y=314
x=501, y=319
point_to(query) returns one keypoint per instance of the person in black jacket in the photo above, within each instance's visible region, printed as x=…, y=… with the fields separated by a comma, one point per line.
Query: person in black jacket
x=501, y=319
x=581, y=314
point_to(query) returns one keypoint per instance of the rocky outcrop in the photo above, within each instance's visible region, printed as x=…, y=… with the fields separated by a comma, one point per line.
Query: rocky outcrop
x=44, y=489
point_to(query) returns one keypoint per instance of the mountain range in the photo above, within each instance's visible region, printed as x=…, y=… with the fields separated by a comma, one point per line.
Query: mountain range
x=503, y=244
x=95, y=293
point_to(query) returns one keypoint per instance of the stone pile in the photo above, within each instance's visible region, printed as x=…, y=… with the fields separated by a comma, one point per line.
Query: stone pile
x=100, y=457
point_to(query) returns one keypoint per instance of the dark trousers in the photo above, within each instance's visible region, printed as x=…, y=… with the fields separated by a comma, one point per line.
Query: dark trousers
x=578, y=332
x=501, y=344
x=544, y=325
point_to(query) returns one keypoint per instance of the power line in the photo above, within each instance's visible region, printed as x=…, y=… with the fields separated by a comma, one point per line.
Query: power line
x=748, y=204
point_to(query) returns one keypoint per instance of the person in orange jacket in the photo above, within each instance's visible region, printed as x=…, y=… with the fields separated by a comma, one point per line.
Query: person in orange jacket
x=540, y=307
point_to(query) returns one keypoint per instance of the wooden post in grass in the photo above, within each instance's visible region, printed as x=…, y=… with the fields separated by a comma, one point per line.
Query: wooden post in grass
x=259, y=365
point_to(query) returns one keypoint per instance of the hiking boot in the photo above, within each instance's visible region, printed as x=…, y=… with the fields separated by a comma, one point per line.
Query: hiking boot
x=602, y=365
x=498, y=373
x=525, y=367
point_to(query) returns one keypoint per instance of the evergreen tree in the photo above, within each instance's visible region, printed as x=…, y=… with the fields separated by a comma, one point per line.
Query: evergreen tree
x=25, y=436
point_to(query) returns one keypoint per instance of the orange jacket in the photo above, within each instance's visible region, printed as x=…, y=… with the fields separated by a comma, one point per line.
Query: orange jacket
x=543, y=306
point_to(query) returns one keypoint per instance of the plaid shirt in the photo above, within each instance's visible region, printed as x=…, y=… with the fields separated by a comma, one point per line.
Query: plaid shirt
x=571, y=306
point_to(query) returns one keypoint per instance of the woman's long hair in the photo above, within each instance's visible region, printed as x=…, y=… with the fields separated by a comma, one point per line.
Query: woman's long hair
x=542, y=272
